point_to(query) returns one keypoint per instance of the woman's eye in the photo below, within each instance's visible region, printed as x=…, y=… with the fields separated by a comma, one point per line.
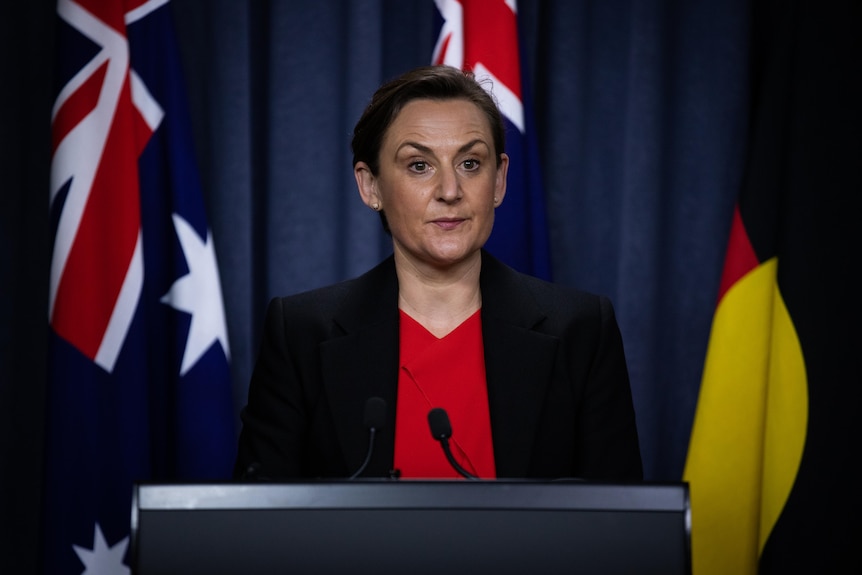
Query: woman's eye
x=471, y=165
x=418, y=166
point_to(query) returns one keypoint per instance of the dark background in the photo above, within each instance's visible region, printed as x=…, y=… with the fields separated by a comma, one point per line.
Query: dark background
x=642, y=112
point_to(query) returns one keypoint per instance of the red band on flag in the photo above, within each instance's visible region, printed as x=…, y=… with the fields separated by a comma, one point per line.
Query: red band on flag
x=77, y=107
x=91, y=283
x=741, y=258
x=489, y=28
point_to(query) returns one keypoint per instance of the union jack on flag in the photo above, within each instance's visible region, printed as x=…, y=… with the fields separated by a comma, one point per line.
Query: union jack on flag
x=139, y=385
x=481, y=36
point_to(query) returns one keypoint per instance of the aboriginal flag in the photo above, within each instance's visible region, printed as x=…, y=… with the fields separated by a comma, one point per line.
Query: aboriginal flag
x=776, y=435
x=139, y=387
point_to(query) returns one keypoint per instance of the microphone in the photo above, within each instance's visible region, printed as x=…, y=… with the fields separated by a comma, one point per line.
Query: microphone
x=375, y=418
x=441, y=430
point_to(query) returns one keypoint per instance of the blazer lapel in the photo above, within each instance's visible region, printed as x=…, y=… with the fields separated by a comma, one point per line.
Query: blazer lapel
x=518, y=364
x=360, y=361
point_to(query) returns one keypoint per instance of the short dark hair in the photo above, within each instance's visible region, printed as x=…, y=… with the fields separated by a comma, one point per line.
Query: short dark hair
x=425, y=82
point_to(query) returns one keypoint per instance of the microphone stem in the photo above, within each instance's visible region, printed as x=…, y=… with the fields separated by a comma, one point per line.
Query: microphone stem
x=445, y=443
x=372, y=433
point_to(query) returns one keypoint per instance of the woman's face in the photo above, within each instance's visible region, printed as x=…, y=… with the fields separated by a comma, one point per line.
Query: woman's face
x=438, y=181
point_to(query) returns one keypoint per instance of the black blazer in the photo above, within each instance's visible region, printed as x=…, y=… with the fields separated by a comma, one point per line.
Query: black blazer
x=558, y=386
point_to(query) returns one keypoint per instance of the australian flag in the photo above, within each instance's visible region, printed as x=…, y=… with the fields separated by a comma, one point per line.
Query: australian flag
x=482, y=36
x=139, y=386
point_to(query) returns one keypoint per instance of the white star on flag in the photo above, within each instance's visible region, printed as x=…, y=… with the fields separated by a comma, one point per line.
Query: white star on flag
x=199, y=294
x=103, y=559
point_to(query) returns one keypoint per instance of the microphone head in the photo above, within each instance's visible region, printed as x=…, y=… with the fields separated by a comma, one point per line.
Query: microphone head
x=438, y=420
x=375, y=413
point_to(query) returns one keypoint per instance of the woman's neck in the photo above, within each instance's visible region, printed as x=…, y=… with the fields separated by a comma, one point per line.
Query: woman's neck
x=439, y=300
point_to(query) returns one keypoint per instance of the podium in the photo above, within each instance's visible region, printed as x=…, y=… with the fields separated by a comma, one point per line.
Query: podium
x=414, y=527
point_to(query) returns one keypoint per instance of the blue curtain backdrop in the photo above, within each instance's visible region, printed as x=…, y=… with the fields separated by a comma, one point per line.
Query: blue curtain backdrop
x=642, y=114
x=641, y=110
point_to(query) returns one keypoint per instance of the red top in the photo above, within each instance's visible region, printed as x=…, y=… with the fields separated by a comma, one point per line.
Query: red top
x=447, y=372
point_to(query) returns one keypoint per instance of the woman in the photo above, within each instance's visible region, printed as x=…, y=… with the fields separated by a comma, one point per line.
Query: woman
x=532, y=375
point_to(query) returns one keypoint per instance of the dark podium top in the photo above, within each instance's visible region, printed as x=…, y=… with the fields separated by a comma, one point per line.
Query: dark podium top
x=415, y=527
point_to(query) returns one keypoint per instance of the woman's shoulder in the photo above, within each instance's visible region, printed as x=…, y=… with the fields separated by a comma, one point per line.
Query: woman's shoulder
x=543, y=292
x=351, y=294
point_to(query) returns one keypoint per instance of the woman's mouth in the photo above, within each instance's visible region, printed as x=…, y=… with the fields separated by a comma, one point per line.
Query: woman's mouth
x=448, y=223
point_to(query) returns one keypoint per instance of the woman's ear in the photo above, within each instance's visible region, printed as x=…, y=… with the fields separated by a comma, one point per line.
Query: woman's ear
x=367, y=185
x=500, y=182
